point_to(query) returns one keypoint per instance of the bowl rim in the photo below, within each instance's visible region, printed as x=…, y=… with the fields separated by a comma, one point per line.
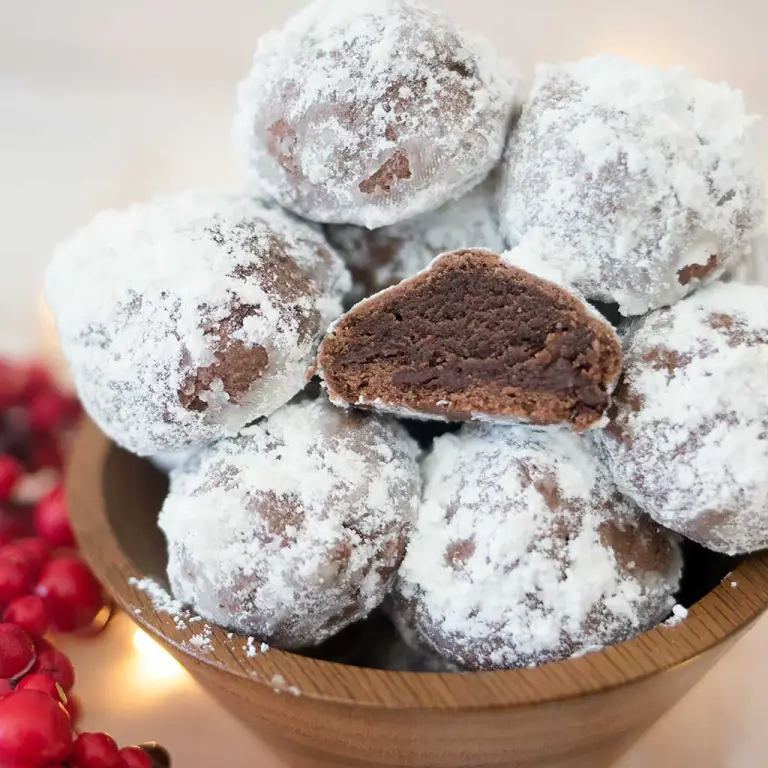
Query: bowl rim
x=721, y=614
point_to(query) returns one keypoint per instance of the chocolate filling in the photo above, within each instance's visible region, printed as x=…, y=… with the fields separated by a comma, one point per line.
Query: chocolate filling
x=483, y=337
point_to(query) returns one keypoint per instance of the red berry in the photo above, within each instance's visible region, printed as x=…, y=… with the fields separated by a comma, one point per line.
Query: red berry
x=31, y=551
x=10, y=474
x=17, y=651
x=45, y=453
x=14, y=523
x=52, y=519
x=43, y=683
x=37, y=380
x=5, y=688
x=95, y=750
x=15, y=580
x=71, y=593
x=12, y=384
x=34, y=730
x=28, y=612
x=53, y=662
x=47, y=410
x=135, y=757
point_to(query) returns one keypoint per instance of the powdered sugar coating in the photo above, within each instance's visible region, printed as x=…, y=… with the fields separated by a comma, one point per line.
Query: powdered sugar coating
x=170, y=460
x=188, y=317
x=753, y=268
x=371, y=112
x=383, y=257
x=524, y=552
x=689, y=434
x=644, y=179
x=295, y=529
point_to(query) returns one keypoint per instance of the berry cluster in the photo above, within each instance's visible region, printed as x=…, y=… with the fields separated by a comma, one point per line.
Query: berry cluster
x=43, y=585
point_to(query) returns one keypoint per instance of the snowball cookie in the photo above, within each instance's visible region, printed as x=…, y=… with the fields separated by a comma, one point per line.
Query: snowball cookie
x=170, y=460
x=643, y=178
x=383, y=257
x=474, y=337
x=295, y=529
x=371, y=112
x=689, y=434
x=186, y=318
x=753, y=269
x=524, y=552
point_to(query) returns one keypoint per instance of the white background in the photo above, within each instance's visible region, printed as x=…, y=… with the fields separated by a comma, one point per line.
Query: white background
x=103, y=102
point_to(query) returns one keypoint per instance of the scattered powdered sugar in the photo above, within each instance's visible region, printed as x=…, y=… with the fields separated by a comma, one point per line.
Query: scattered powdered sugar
x=182, y=617
x=371, y=112
x=159, y=597
x=383, y=257
x=644, y=179
x=280, y=685
x=524, y=552
x=203, y=641
x=679, y=614
x=156, y=302
x=294, y=529
x=689, y=439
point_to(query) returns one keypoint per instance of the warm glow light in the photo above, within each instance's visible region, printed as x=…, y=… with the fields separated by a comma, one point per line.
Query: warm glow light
x=155, y=666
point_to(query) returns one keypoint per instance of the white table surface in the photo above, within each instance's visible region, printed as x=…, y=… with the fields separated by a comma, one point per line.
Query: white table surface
x=103, y=103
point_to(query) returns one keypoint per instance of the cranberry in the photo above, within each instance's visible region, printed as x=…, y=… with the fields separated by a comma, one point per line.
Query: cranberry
x=52, y=519
x=17, y=651
x=47, y=410
x=10, y=474
x=43, y=683
x=135, y=757
x=14, y=523
x=31, y=551
x=15, y=581
x=34, y=730
x=45, y=453
x=53, y=662
x=71, y=593
x=95, y=750
x=37, y=380
x=28, y=612
x=12, y=385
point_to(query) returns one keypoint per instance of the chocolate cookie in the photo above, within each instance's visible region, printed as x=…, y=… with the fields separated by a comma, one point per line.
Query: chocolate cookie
x=644, y=179
x=473, y=337
x=371, y=112
x=688, y=438
x=525, y=552
x=186, y=318
x=295, y=529
x=381, y=258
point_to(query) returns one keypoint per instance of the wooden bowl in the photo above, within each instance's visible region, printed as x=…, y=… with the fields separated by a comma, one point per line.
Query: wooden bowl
x=578, y=713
